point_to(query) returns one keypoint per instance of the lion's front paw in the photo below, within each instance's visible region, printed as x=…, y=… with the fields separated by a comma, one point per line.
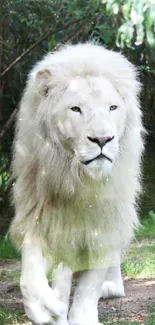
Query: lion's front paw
x=41, y=304
x=37, y=313
x=112, y=289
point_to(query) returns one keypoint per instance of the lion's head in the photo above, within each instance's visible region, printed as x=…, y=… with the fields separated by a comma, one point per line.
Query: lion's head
x=80, y=114
x=89, y=119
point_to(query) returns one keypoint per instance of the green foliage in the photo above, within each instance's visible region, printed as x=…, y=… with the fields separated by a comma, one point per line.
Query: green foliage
x=7, y=250
x=147, y=228
x=137, y=21
x=148, y=198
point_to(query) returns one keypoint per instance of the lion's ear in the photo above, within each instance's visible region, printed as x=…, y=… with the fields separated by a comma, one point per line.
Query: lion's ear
x=43, y=79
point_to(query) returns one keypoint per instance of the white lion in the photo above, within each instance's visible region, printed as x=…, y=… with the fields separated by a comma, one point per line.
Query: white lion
x=77, y=157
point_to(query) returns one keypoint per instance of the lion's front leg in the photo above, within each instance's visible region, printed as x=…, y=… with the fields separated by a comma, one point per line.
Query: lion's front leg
x=39, y=299
x=113, y=284
x=61, y=284
x=84, y=308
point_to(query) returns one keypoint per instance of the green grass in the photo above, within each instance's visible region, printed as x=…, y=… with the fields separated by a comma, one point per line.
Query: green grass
x=112, y=322
x=7, y=250
x=139, y=262
x=147, y=229
x=151, y=318
x=10, y=317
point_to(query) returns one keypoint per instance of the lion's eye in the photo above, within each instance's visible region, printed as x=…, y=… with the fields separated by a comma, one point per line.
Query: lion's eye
x=76, y=109
x=113, y=107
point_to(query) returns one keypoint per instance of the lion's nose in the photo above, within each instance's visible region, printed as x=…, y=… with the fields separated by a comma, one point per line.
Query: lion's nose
x=101, y=141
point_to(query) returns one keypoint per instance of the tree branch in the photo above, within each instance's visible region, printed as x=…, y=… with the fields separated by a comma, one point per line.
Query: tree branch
x=14, y=113
x=8, y=123
x=71, y=36
x=46, y=35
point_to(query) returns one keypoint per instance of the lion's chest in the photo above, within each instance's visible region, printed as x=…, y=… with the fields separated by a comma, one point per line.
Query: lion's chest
x=75, y=231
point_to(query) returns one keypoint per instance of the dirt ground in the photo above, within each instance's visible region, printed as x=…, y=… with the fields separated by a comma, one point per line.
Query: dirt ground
x=140, y=295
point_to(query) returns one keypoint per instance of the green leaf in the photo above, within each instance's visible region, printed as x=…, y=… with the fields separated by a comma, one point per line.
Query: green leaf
x=126, y=7
x=150, y=37
x=50, y=43
x=139, y=34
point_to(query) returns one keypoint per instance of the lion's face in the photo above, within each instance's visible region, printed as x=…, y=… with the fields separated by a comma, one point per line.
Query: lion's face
x=89, y=120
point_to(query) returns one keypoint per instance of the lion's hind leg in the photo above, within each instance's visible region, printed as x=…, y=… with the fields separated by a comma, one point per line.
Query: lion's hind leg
x=113, y=284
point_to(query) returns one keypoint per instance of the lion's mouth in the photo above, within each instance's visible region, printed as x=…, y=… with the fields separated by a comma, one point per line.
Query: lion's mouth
x=101, y=156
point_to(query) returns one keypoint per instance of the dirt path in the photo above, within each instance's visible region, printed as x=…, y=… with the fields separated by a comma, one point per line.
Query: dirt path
x=140, y=295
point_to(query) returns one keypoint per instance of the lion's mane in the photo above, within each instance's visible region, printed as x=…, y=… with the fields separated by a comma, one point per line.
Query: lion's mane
x=51, y=195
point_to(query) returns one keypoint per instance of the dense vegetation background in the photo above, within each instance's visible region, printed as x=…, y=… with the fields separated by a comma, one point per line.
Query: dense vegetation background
x=31, y=28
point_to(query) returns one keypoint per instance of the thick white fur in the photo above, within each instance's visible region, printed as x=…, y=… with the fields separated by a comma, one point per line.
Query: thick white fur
x=74, y=215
